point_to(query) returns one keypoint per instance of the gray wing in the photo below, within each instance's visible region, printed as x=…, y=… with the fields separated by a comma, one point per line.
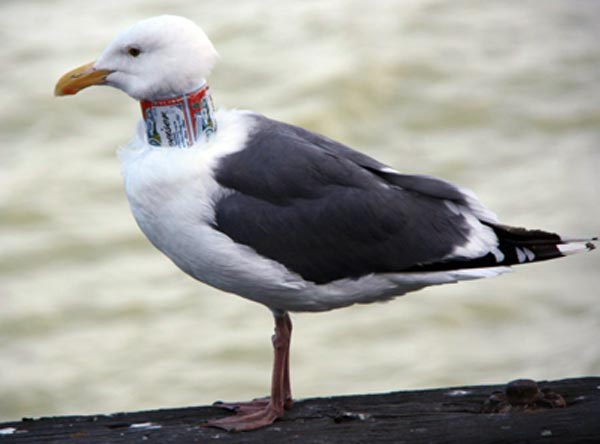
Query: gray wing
x=328, y=212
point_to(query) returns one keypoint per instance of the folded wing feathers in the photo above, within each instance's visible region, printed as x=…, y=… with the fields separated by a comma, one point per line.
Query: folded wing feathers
x=516, y=245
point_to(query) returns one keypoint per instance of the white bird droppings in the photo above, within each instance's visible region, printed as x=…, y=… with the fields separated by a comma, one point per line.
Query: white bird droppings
x=546, y=433
x=7, y=431
x=458, y=392
x=145, y=426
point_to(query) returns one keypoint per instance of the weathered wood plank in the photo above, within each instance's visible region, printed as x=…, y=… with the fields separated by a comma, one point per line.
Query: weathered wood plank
x=449, y=415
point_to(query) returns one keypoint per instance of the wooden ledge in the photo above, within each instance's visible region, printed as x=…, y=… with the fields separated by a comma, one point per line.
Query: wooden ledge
x=446, y=415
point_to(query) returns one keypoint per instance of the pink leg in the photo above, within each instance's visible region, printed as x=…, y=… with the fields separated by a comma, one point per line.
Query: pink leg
x=287, y=386
x=263, y=412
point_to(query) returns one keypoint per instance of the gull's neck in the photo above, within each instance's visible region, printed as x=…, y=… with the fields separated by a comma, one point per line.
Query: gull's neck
x=180, y=121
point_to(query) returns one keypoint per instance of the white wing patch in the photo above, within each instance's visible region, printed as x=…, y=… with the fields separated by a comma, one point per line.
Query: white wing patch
x=481, y=240
x=524, y=255
x=498, y=255
x=521, y=256
x=530, y=254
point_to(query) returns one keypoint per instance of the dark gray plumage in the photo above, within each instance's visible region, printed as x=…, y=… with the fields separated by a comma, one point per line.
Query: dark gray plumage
x=328, y=212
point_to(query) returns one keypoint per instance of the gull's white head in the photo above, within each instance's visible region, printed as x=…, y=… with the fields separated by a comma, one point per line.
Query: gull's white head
x=159, y=57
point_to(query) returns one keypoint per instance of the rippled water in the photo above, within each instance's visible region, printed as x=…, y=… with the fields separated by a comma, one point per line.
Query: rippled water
x=499, y=96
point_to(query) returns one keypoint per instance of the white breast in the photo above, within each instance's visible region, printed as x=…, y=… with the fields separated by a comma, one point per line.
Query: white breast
x=171, y=192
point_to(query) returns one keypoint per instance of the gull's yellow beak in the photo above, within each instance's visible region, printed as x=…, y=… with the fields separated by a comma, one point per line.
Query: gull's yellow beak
x=80, y=78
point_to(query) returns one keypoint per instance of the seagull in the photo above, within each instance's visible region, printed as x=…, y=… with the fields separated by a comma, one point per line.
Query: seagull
x=281, y=215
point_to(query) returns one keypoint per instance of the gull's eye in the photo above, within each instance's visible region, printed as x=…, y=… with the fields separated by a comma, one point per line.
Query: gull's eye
x=134, y=52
